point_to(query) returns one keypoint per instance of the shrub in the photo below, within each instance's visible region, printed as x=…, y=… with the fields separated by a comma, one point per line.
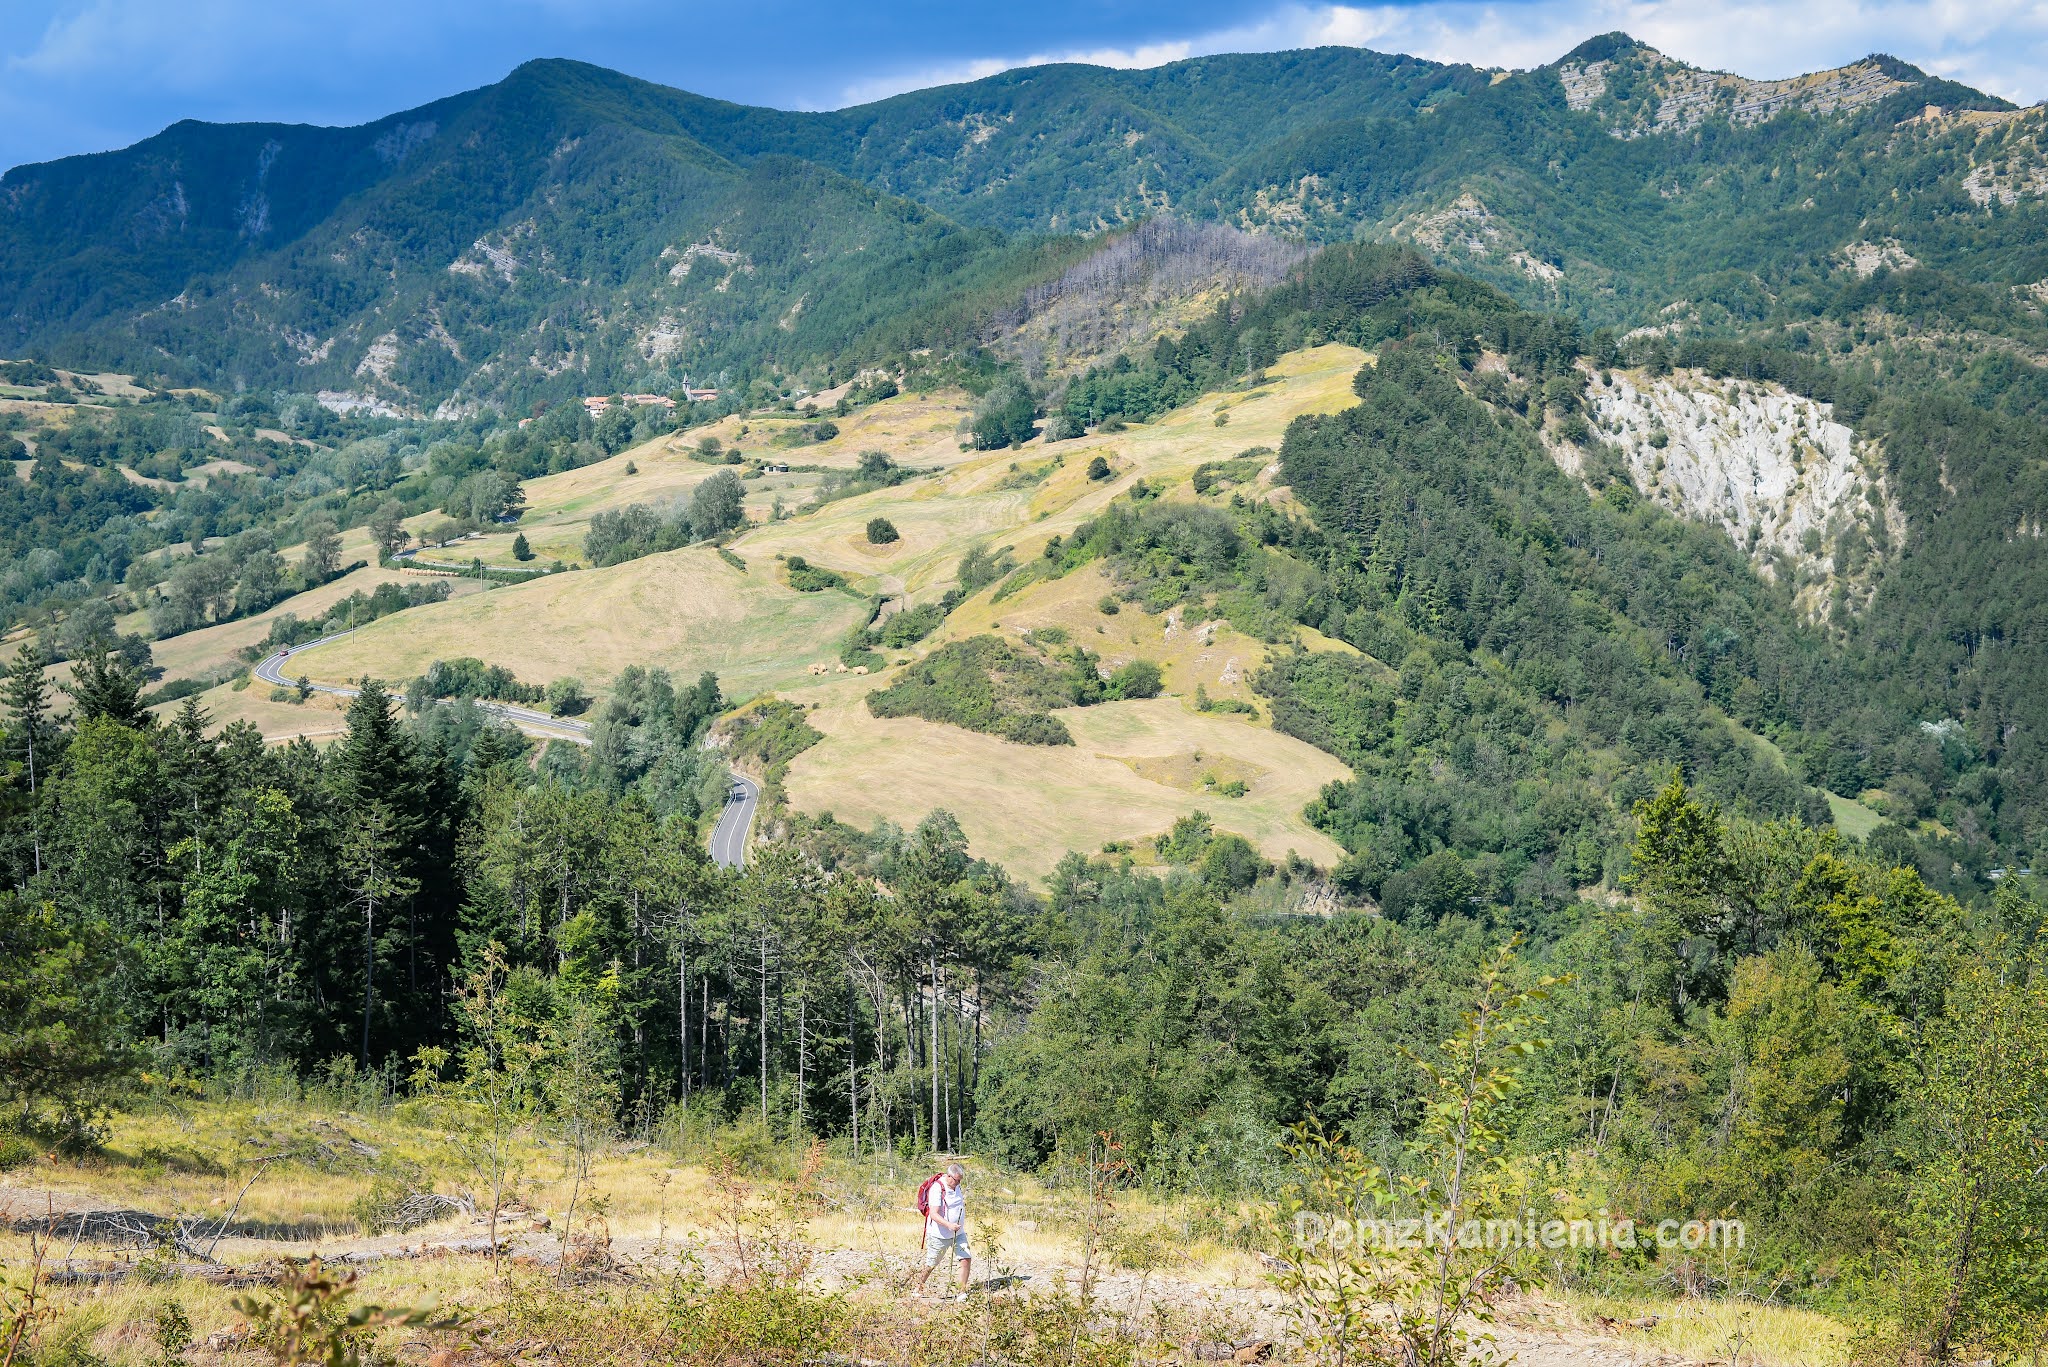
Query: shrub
x=1098, y=468
x=805, y=577
x=881, y=531
x=566, y=697
x=1138, y=679
x=521, y=551
x=985, y=684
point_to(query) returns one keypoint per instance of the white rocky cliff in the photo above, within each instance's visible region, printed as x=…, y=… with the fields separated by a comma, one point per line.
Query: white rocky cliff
x=1796, y=490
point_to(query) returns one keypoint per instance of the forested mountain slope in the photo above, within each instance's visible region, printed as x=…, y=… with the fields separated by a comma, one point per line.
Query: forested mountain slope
x=570, y=230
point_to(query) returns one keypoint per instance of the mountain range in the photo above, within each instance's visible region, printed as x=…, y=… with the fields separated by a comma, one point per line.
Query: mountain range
x=572, y=230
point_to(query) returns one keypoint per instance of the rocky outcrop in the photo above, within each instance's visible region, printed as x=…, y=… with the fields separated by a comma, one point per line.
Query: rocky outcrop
x=1666, y=96
x=1800, y=493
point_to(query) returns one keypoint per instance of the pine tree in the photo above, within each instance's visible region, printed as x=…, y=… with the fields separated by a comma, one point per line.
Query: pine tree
x=31, y=735
x=103, y=686
x=520, y=550
x=25, y=693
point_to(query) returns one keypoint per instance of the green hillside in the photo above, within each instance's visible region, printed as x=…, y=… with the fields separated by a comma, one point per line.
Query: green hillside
x=386, y=301
x=570, y=230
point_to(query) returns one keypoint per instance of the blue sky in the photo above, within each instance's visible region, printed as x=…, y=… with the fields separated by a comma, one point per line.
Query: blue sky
x=86, y=75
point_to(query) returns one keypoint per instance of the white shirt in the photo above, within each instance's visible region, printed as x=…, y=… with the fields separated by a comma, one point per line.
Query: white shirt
x=948, y=1204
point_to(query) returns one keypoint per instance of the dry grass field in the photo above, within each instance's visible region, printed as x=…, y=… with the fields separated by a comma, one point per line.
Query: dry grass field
x=1135, y=768
x=1166, y=1266
x=318, y=719
x=213, y=650
x=686, y=611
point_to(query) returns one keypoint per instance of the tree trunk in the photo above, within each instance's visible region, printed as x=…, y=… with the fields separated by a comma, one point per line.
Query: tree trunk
x=852, y=1069
x=764, y=1027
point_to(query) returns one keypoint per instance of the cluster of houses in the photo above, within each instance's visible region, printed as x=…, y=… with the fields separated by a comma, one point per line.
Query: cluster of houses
x=596, y=405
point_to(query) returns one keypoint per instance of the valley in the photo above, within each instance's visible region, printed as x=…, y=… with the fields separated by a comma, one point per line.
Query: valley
x=594, y=682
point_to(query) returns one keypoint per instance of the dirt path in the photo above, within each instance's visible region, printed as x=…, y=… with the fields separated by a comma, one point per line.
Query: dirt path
x=1532, y=1330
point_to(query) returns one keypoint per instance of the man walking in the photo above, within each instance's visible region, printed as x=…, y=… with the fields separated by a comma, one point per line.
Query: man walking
x=945, y=1227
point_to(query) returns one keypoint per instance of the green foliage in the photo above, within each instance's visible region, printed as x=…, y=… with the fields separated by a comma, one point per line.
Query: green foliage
x=881, y=531
x=308, y=1322
x=1239, y=469
x=981, y=567
x=718, y=506
x=986, y=684
x=358, y=609
x=1355, y=1299
x=772, y=733
x=566, y=697
x=61, y=1050
x=472, y=678
x=805, y=577
x=1137, y=679
x=1004, y=416
x=873, y=471
x=521, y=551
x=1968, y=1279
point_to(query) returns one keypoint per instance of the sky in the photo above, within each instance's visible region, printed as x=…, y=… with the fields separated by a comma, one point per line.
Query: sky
x=89, y=75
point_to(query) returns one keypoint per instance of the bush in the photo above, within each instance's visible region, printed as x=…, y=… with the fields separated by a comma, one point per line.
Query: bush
x=468, y=677
x=521, y=551
x=566, y=697
x=1138, y=679
x=16, y=1151
x=881, y=531
x=805, y=577
x=1109, y=606
x=985, y=684
x=1098, y=468
x=1063, y=427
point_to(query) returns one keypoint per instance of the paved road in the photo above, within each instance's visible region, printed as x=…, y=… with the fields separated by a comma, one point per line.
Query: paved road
x=271, y=671
x=729, y=839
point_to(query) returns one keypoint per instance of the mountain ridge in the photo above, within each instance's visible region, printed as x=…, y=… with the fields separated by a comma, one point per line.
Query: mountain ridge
x=333, y=260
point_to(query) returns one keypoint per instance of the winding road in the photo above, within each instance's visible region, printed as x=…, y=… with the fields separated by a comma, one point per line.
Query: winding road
x=728, y=838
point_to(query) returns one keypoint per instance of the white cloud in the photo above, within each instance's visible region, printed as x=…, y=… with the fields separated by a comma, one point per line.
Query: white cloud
x=1997, y=45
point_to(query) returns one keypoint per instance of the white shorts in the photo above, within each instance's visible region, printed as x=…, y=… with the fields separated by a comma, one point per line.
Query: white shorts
x=937, y=1243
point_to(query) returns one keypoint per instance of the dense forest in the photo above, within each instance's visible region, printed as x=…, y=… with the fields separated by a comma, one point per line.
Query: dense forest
x=1769, y=1003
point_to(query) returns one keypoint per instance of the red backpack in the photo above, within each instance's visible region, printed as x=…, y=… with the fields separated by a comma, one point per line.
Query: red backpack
x=924, y=1194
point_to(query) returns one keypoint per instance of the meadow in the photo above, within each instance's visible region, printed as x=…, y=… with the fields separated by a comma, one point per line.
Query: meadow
x=602, y=1246
x=1136, y=768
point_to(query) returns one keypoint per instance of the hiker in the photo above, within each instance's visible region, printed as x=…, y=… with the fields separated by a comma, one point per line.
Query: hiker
x=945, y=1225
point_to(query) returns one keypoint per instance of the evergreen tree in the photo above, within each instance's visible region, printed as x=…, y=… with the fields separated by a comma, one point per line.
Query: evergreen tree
x=31, y=739
x=103, y=686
